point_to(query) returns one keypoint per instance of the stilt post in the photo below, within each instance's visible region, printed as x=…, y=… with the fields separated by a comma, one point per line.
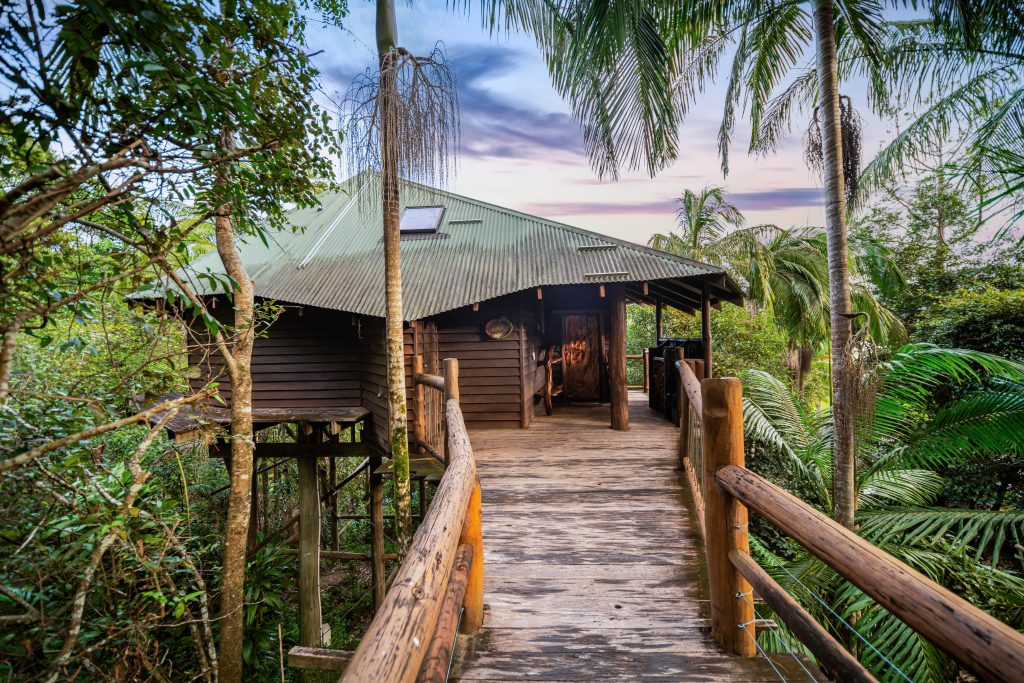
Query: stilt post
x=310, y=617
x=725, y=518
x=377, y=576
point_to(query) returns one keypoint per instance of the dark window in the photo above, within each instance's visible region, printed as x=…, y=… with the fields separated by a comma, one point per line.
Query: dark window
x=421, y=219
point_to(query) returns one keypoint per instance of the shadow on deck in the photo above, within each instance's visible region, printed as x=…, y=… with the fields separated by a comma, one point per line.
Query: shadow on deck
x=594, y=567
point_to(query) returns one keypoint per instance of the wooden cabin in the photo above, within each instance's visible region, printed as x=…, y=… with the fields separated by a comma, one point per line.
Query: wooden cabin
x=515, y=298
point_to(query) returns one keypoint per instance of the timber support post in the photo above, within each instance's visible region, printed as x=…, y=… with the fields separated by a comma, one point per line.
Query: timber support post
x=451, y=391
x=647, y=370
x=705, y=328
x=310, y=617
x=725, y=518
x=472, y=534
x=332, y=478
x=418, y=401
x=377, y=576
x=657, y=320
x=617, y=357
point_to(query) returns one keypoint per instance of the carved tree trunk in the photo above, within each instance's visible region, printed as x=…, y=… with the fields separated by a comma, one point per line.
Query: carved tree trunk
x=843, y=379
x=398, y=430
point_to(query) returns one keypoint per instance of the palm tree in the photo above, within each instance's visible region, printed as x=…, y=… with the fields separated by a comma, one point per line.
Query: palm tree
x=631, y=70
x=906, y=443
x=703, y=218
x=402, y=123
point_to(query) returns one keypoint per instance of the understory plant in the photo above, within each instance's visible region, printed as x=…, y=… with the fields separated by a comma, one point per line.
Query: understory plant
x=932, y=410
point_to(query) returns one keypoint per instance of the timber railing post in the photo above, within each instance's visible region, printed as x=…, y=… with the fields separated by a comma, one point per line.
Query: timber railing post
x=451, y=391
x=472, y=534
x=725, y=518
x=419, y=400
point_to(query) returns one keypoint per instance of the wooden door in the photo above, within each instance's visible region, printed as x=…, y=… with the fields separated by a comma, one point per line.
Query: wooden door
x=581, y=348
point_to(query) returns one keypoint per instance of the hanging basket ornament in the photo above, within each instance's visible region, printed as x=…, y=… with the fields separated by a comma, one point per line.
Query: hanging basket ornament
x=498, y=328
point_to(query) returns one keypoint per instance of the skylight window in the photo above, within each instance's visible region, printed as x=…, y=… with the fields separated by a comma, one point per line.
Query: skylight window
x=419, y=220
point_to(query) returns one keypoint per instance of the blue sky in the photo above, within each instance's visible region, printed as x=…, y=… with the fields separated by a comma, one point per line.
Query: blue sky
x=522, y=149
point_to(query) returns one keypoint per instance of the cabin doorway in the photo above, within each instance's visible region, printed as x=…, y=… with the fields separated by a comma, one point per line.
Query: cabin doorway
x=581, y=349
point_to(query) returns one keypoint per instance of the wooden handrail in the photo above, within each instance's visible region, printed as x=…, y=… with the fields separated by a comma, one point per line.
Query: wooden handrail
x=830, y=652
x=981, y=643
x=691, y=385
x=394, y=646
x=428, y=380
x=436, y=663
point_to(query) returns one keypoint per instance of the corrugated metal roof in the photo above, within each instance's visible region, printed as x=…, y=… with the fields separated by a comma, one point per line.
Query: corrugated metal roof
x=335, y=259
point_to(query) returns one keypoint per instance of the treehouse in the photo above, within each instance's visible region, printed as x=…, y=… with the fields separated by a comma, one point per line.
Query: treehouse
x=611, y=554
x=532, y=309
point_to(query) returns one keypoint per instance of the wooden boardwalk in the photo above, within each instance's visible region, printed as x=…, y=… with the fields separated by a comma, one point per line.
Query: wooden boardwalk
x=593, y=562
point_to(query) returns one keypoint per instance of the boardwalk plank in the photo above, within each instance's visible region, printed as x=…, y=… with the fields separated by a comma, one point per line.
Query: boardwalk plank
x=593, y=565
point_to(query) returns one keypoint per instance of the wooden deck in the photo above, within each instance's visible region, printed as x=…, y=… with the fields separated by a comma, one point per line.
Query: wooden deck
x=594, y=566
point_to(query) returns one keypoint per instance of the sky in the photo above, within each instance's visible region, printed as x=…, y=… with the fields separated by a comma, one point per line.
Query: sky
x=522, y=149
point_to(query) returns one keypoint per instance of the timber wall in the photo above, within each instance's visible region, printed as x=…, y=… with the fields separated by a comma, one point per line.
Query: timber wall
x=307, y=361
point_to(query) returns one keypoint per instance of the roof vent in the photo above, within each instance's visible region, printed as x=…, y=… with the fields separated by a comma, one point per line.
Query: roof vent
x=419, y=220
x=596, y=247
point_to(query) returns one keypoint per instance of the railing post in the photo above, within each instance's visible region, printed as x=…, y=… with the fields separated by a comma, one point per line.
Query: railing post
x=647, y=370
x=451, y=391
x=418, y=401
x=472, y=534
x=725, y=518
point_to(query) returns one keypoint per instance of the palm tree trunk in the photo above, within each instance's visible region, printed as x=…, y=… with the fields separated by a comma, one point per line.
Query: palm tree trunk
x=398, y=432
x=843, y=395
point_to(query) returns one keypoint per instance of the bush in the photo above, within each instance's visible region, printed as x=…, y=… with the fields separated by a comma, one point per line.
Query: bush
x=990, y=320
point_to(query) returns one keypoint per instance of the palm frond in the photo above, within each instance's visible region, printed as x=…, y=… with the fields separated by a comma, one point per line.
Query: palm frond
x=899, y=487
x=985, y=531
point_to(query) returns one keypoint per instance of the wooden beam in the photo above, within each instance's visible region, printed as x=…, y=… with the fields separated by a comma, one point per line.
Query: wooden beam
x=310, y=615
x=525, y=392
x=419, y=400
x=617, y=358
x=725, y=519
x=830, y=653
x=301, y=451
x=981, y=643
x=540, y=294
x=705, y=328
x=657, y=320
x=437, y=662
x=601, y=291
x=645, y=288
x=318, y=658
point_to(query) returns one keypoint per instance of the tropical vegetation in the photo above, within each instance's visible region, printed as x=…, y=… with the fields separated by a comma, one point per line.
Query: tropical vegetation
x=881, y=352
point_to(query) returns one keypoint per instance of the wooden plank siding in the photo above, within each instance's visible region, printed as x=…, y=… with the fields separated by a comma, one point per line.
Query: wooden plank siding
x=312, y=357
x=306, y=360
x=490, y=370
